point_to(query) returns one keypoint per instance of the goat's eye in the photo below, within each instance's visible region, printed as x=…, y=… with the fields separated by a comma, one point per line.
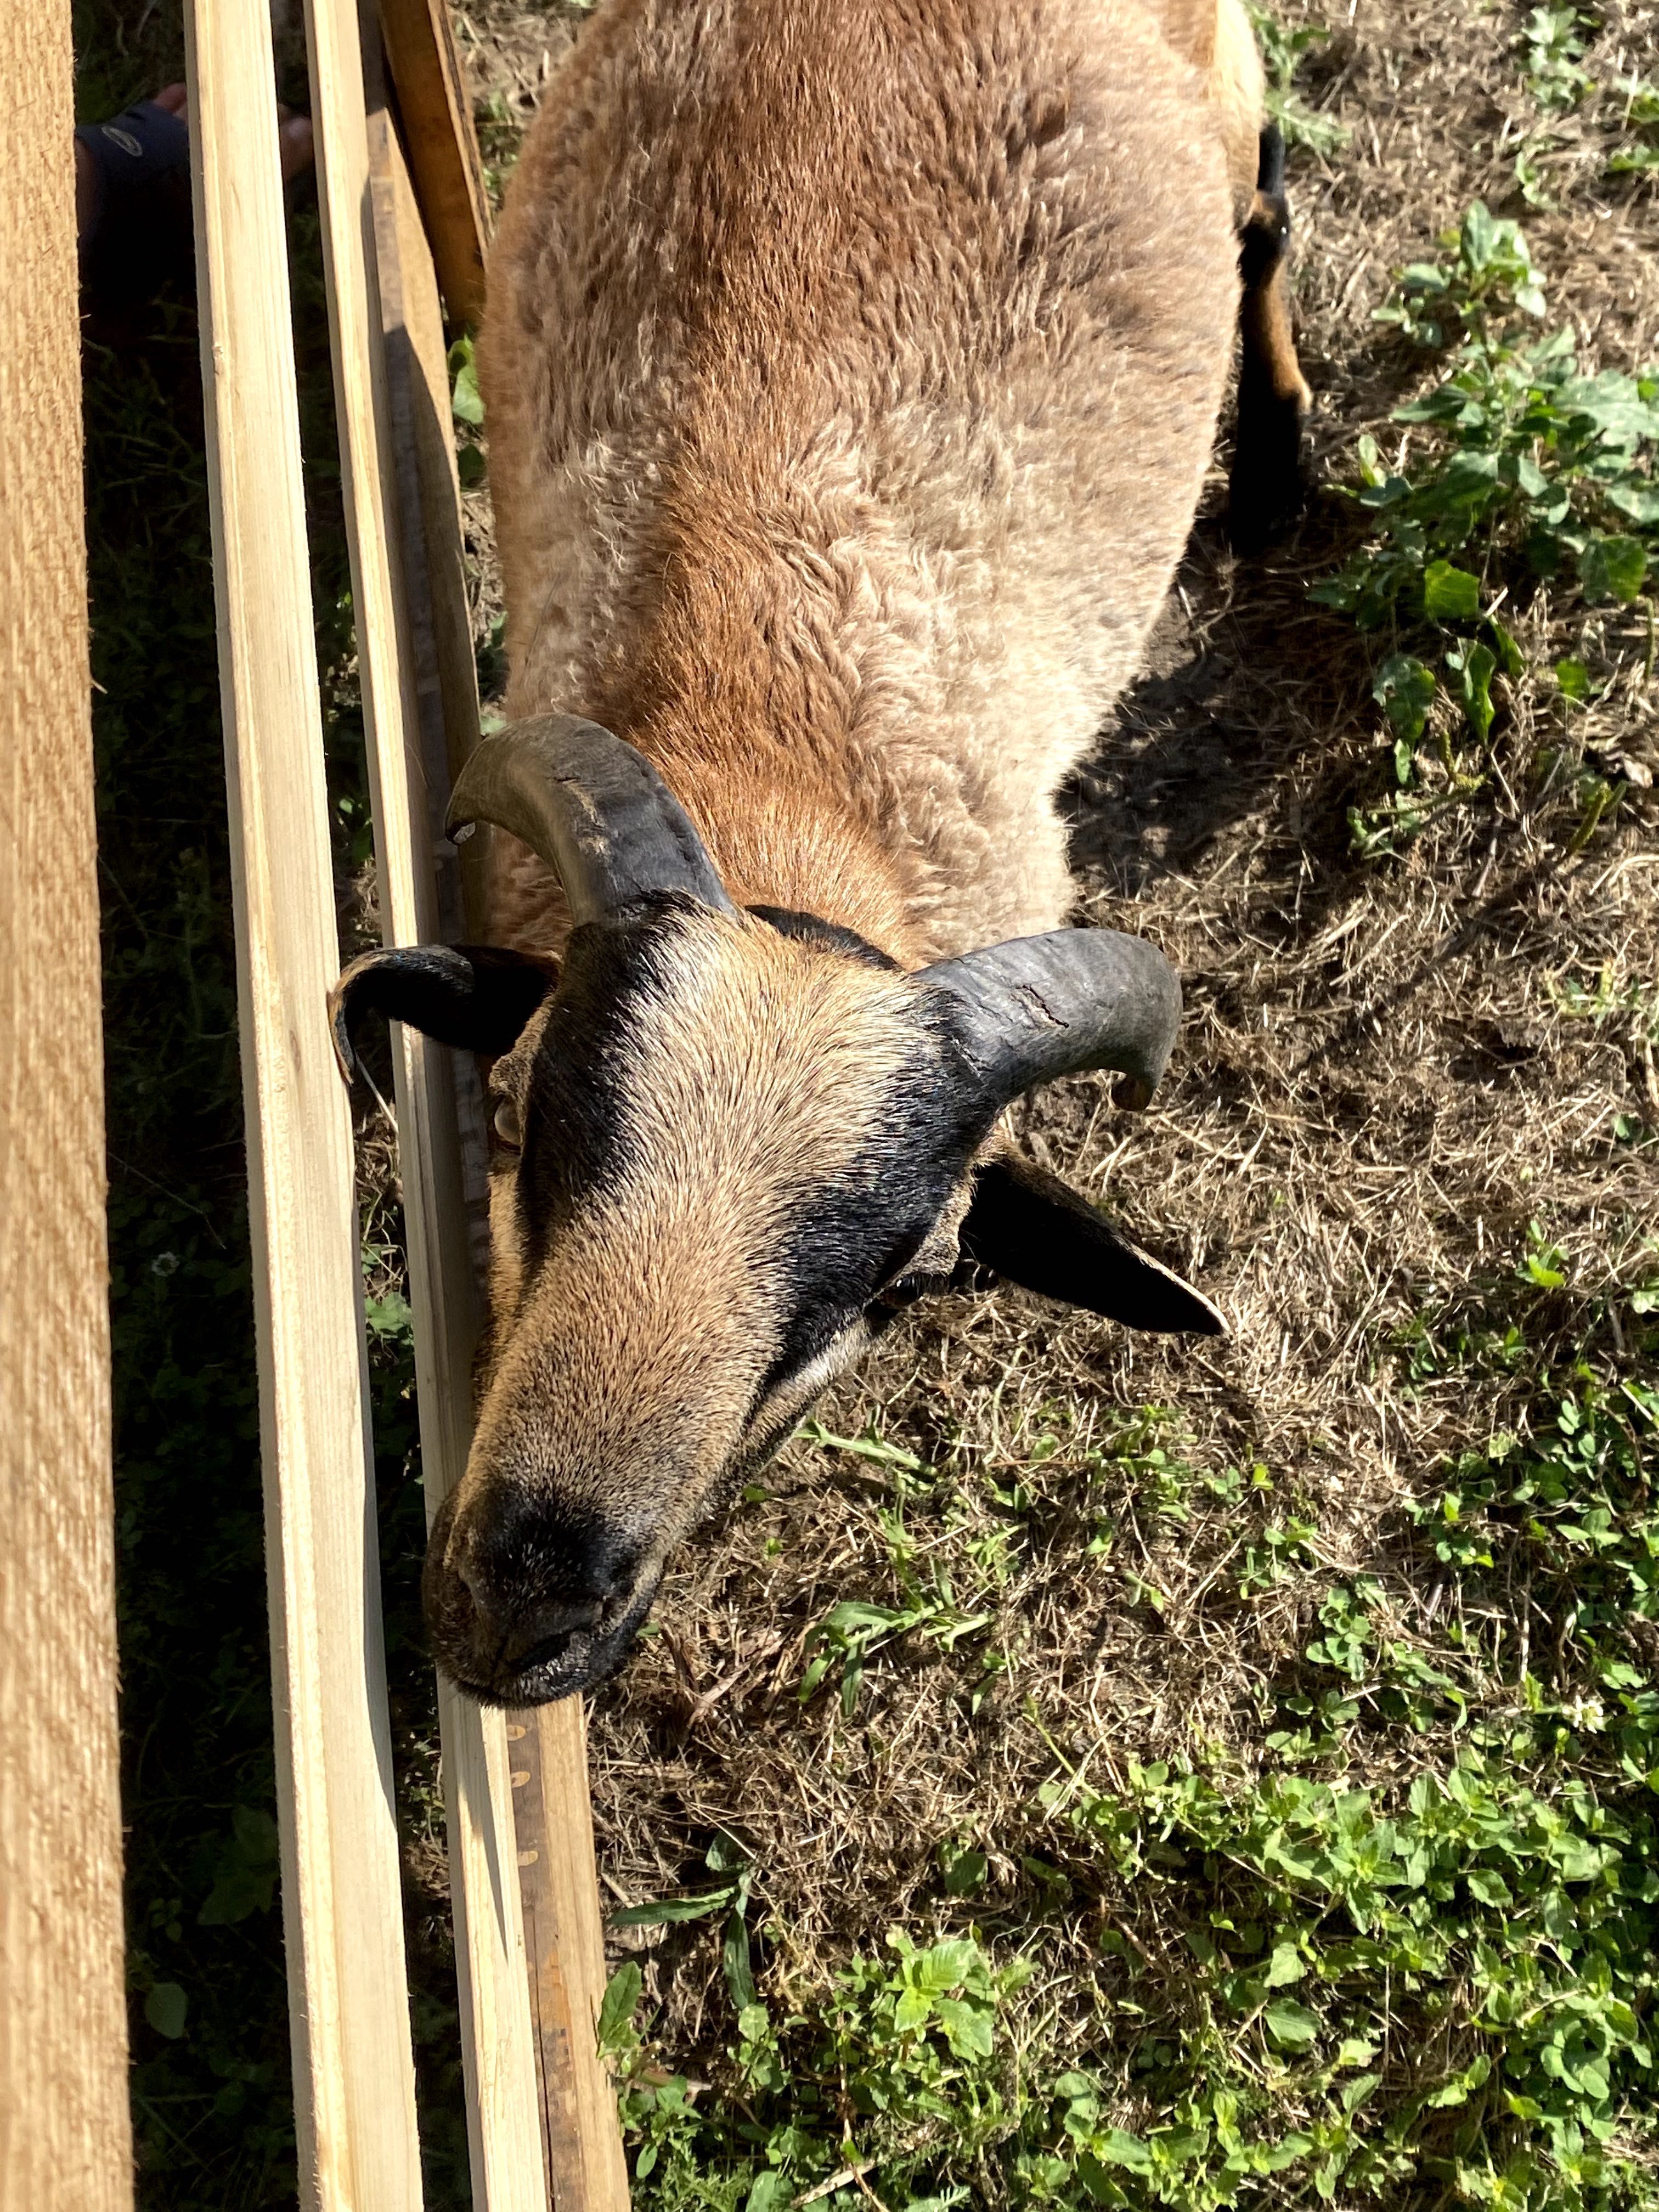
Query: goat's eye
x=508, y=1127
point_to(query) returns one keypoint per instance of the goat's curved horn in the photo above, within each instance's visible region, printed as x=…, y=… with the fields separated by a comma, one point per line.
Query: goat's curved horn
x=1038, y=1007
x=590, y=806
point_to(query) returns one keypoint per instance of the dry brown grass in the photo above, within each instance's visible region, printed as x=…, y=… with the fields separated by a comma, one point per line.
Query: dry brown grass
x=1376, y=1091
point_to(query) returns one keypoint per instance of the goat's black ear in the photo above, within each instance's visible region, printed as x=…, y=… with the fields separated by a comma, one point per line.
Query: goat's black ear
x=476, y=996
x=1034, y=1229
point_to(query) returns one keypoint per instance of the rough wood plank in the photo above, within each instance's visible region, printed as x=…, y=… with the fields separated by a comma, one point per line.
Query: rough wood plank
x=564, y=1931
x=65, y=2141
x=419, y=679
x=342, y=1913
x=442, y=147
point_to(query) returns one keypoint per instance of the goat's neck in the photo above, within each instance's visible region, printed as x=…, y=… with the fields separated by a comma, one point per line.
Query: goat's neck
x=737, y=690
x=780, y=836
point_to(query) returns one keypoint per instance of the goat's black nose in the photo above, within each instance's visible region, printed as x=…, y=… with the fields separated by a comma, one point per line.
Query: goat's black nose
x=528, y=1596
x=537, y=1568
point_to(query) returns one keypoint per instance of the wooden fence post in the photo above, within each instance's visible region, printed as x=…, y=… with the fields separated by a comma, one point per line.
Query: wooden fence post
x=65, y=2137
x=342, y=1906
x=443, y=151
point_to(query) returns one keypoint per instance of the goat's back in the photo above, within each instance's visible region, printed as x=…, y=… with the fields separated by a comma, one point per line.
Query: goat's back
x=851, y=375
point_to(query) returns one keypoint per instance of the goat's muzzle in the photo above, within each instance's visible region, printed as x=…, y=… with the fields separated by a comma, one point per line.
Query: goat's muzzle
x=526, y=1601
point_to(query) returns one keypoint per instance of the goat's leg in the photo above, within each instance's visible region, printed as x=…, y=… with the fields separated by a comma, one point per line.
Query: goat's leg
x=1267, y=489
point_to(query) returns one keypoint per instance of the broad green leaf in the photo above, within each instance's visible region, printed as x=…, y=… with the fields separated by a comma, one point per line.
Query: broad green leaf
x=1613, y=568
x=771, y=2189
x=1291, y=2025
x=967, y=2026
x=390, y=1318
x=1405, y=689
x=1579, y=1862
x=1457, y=2091
x=1284, y=1966
x=734, y=1958
x=1450, y=594
x=1640, y=502
x=246, y=1878
x=964, y=1872
x=947, y=1964
x=1490, y=1888
x=1613, y=404
x=464, y=395
x=1574, y=679
x=1286, y=2152
x=165, y=2008
x=1479, y=234
x=622, y=1994
x=1511, y=658
x=1469, y=475
x=1473, y=667
x=1356, y=2093
x=1355, y=2050
x=1117, y=2147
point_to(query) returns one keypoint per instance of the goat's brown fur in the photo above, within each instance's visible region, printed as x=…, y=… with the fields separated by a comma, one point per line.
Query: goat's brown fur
x=850, y=380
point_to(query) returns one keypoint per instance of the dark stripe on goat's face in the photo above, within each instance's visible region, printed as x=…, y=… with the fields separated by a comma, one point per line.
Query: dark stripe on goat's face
x=580, y=1082
x=735, y=1137
x=856, y=1236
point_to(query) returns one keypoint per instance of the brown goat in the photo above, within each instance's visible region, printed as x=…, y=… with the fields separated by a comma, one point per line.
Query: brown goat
x=851, y=377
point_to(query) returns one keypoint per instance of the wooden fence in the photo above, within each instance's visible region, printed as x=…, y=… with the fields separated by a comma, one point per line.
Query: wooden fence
x=404, y=224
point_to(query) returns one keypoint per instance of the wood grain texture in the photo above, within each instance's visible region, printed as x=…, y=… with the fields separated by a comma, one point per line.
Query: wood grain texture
x=65, y=2140
x=419, y=686
x=564, y=1931
x=348, y=2008
x=443, y=148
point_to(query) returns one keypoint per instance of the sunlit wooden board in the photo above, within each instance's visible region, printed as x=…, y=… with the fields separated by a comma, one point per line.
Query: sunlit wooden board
x=342, y=1910
x=65, y=2140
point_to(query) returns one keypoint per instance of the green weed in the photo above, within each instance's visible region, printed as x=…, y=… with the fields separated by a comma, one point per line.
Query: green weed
x=851, y=1633
x=884, y=2082
x=1552, y=45
x=1527, y=469
x=1638, y=113
x=1282, y=53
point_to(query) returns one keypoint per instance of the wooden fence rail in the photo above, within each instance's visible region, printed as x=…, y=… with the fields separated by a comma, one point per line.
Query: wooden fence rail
x=342, y=1906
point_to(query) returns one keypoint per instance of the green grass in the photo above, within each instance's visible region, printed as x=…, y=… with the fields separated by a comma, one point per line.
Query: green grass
x=1398, y=1945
